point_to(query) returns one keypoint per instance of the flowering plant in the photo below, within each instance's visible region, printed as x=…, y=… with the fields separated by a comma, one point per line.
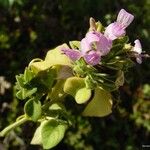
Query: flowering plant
x=89, y=70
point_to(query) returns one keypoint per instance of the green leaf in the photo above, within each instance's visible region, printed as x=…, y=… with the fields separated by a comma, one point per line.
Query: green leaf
x=100, y=105
x=24, y=93
x=33, y=109
x=37, y=139
x=20, y=80
x=74, y=44
x=47, y=78
x=76, y=87
x=28, y=75
x=56, y=110
x=82, y=95
x=44, y=80
x=56, y=106
x=52, y=133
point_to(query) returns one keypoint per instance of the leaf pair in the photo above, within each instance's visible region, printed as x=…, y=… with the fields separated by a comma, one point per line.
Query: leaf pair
x=76, y=87
x=101, y=103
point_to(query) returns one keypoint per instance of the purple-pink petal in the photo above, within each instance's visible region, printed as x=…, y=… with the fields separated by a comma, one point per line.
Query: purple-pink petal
x=72, y=53
x=92, y=36
x=124, y=18
x=92, y=58
x=85, y=46
x=104, y=45
x=137, y=47
x=114, y=30
x=117, y=29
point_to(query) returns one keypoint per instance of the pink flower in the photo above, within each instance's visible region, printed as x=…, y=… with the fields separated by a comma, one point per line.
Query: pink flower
x=93, y=46
x=117, y=29
x=138, y=49
x=96, y=41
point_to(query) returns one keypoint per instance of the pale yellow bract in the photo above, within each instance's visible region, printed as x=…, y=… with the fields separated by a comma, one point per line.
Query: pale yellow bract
x=100, y=105
x=54, y=57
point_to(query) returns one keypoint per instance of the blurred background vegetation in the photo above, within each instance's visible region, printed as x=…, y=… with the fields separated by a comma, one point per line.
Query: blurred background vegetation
x=29, y=28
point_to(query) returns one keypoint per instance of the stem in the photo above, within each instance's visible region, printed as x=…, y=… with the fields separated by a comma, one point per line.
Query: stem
x=12, y=126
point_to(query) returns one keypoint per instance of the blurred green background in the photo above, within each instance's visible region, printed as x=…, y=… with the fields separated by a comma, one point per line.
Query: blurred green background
x=29, y=28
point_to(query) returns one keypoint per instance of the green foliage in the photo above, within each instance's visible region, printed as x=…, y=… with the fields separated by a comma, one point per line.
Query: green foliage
x=30, y=84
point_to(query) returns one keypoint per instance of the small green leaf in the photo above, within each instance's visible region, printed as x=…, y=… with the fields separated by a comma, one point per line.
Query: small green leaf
x=52, y=133
x=56, y=110
x=20, y=80
x=24, y=93
x=37, y=139
x=76, y=87
x=28, y=75
x=82, y=95
x=74, y=44
x=19, y=95
x=33, y=109
x=100, y=105
x=56, y=106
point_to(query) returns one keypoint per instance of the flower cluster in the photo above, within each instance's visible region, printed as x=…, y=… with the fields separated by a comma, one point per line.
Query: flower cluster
x=97, y=44
x=89, y=70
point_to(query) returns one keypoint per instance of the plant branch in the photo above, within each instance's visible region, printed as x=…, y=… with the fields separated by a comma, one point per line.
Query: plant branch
x=12, y=126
